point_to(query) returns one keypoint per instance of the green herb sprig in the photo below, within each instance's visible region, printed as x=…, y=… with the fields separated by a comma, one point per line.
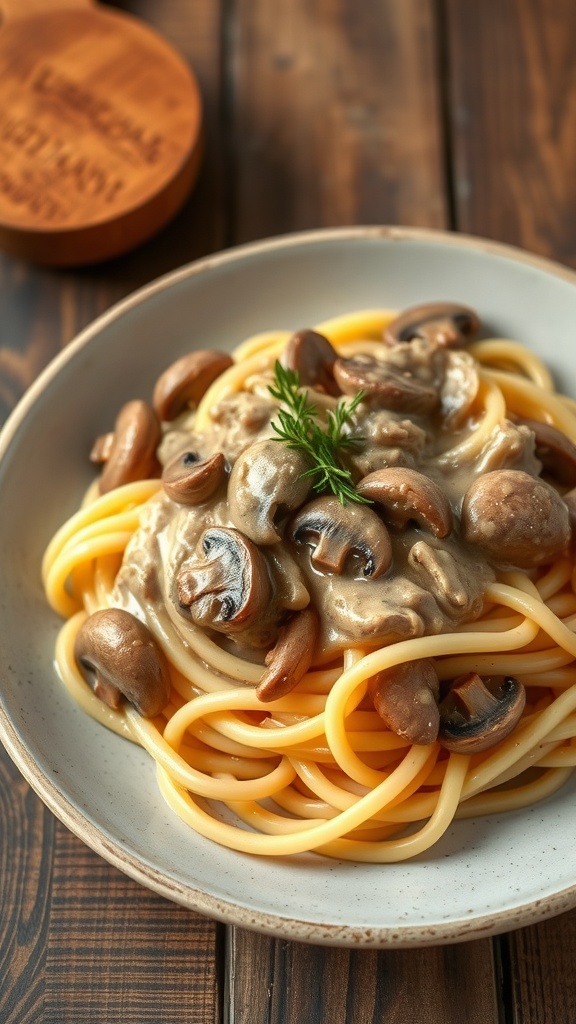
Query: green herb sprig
x=298, y=428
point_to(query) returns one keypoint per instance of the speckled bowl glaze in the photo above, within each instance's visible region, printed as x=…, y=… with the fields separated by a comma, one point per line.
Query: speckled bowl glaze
x=485, y=876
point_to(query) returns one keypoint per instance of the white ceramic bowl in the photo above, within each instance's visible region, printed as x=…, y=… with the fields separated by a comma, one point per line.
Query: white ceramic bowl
x=486, y=875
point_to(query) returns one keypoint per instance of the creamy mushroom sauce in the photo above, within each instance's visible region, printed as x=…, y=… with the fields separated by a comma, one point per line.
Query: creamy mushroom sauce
x=432, y=584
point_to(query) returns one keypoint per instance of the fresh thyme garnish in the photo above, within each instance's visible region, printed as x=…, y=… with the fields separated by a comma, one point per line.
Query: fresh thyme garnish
x=298, y=428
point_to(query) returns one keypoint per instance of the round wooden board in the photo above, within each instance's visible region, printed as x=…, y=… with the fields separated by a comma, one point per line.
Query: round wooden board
x=100, y=131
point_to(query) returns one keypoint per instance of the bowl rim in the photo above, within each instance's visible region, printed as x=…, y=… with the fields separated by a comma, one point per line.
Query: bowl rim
x=135, y=867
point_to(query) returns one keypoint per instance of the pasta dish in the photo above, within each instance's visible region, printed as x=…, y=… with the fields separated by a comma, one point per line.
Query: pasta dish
x=327, y=582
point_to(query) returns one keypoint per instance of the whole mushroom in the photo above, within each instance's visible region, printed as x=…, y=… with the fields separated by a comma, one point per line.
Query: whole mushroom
x=406, y=698
x=311, y=355
x=121, y=660
x=190, y=480
x=184, y=382
x=555, y=450
x=385, y=385
x=129, y=452
x=266, y=482
x=515, y=519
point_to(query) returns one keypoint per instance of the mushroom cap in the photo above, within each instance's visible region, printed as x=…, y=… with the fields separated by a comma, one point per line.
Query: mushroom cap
x=386, y=385
x=406, y=494
x=515, y=518
x=406, y=698
x=312, y=357
x=478, y=713
x=226, y=584
x=447, y=324
x=555, y=450
x=266, y=479
x=339, y=533
x=189, y=480
x=291, y=656
x=130, y=454
x=119, y=658
x=185, y=381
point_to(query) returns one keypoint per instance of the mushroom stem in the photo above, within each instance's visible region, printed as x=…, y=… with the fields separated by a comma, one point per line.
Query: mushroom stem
x=477, y=713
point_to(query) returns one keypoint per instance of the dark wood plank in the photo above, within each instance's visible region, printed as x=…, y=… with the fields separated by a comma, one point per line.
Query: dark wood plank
x=195, y=30
x=447, y=985
x=542, y=972
x=512, y=105
x=26, y=849
x=78, y=940
x=334, y=115
x=513, y=109
x=117, y=952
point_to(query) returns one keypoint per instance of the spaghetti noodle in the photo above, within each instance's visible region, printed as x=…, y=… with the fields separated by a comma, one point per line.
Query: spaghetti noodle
x=319, y=762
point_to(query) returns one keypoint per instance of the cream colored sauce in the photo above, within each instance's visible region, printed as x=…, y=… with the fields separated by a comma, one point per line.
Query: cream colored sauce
x=431, y=586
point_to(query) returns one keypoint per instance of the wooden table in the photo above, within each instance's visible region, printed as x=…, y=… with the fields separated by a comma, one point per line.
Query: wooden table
x=437, y=113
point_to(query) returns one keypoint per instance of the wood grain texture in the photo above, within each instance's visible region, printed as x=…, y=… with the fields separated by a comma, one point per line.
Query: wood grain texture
x=542, y=972
x=513, y=121
x=512, y=118
x=297, y=982
x=100, y=133
x=334, y=115
x=318, y=112
x=26, y=850
x=118, y=953
x=78, y=940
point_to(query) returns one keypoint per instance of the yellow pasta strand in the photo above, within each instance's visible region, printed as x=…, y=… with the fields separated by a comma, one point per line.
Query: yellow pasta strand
x=318, y=769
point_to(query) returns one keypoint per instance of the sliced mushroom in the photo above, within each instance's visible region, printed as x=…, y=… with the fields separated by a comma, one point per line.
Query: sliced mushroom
x=185, y=381
x=265, y=483
x=227, y=585
x=515, y=519
x=131, y=454
x=406, y=698
x=385, y=384
x=447, y=324
x=555, y=450
x=477, y=713
x=405, y=495
x=338, y=533
x=120, y=659
x=312, y=356
x=291, y=656
x=189, y=480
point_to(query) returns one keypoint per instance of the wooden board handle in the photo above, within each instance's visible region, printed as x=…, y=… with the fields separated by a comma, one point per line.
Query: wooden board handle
x=12, y=9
